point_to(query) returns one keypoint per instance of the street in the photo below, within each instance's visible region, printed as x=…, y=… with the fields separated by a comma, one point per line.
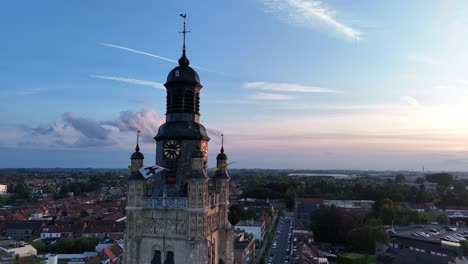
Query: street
x=279, y=252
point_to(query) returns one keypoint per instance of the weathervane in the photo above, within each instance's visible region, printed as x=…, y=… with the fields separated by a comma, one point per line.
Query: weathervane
x=184, y=15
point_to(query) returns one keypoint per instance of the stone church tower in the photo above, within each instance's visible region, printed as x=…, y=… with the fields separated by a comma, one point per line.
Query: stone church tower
x=183, y=216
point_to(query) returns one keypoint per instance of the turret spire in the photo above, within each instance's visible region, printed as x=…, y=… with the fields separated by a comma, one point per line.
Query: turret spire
x=222, y=143
x=183, y=61
x=137, y=148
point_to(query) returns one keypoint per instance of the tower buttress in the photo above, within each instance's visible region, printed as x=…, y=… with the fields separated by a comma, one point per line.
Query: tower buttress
x=197, y=183
x=135, y=194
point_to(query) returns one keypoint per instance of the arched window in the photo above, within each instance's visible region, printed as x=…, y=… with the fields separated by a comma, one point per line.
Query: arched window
x=169, y=258
x=156, y=257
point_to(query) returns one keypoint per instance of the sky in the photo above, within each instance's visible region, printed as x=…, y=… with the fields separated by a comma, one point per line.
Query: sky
x=292, y=84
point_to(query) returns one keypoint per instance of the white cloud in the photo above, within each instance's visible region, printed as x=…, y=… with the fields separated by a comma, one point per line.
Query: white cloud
x=270, y=96
x=129, y=80
x=411, y=101
x=422, y=59
x=310, y=13
x=287, y=87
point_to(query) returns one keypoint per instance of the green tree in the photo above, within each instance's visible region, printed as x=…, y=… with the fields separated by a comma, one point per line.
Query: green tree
x=464, y=247
x=459, y=187
x=420, y=180
x=86, y=244
x=65, y=246
x=442, y=219
x=39, y=246
x=364, y=238
x=84, y=213
x=443, y=179
x=400, y=178
x=387, y=212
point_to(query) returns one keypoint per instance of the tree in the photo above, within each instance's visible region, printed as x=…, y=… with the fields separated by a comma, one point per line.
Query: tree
x=420, y=180
x=464, y=246
x=458, y=187
x=84, y=213
x=39, y=246
x=363, y=239
x=331, y=224
x=442, y=219
x=444, y=179
x=387, y=212
x=400, y=178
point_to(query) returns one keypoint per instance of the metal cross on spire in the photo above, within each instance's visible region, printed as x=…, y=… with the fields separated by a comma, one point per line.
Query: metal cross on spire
x=184, y=15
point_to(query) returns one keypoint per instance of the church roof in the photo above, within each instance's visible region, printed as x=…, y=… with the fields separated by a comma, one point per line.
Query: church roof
x=137, y=155
x=183, y=74
x=221, y=155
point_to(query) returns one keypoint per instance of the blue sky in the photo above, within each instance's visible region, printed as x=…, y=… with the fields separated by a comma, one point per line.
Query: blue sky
x=292, y=84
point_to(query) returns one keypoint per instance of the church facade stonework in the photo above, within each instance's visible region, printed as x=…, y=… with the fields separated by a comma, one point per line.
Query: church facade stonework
x=180, y=215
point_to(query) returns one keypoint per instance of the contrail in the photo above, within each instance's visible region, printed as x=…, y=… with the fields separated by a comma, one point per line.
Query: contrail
x=129, y=80
x=138, y=51
x=151, y=55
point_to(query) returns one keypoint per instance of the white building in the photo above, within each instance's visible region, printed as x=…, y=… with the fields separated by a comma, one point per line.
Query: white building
x=257, y=228
x=3, y=189
x=18, y=248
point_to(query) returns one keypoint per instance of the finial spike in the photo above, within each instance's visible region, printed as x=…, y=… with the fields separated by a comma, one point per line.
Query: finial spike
x=183, y=61
x=222, y=143
x=137, y=148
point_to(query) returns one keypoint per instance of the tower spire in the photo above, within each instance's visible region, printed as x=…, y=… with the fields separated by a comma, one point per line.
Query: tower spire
x=222, y=143
x=137, y=148
x=183, y=61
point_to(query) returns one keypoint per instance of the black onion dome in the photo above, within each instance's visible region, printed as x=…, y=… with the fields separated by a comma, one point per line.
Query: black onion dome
x=137, y=154
x=183, y=73
x=183, y=61
x=221, y=155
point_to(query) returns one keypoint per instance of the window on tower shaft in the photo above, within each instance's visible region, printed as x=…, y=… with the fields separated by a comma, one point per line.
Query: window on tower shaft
x=189, y=104
x=197, y=103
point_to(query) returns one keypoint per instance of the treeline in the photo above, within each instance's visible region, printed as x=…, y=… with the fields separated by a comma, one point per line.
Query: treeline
x=78, y=188
x=358, y=232
x=67, y=246
x=289, y=189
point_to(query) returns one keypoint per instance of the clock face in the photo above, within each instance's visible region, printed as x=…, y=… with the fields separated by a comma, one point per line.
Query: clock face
x=204, y=149
x=171, y=149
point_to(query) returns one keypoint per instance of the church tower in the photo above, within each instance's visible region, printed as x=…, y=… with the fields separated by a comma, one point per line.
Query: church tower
x=184, y=218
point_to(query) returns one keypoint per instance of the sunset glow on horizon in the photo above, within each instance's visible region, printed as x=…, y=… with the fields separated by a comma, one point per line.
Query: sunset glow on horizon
x=298, y=84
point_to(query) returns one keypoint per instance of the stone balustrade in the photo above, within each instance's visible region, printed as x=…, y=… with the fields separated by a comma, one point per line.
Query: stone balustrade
x=165, y=202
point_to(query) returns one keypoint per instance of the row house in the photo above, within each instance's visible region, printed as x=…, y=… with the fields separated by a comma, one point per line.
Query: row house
x=22, y=230
x=244, y=247
x=63, y=230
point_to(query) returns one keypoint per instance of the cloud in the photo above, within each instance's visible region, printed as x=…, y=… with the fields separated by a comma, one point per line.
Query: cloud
x=42, y=129
x=146, y=121
x=310, y=13
x=129, y=80
x=270, y=96
x=24, y=92
x=79, y=132
x=411, y=101
x=422, y=59
x=146, y=103
x=89, y=128
x=286, y=87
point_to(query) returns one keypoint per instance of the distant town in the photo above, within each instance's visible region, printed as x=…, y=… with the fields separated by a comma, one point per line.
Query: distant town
x=279, y=216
